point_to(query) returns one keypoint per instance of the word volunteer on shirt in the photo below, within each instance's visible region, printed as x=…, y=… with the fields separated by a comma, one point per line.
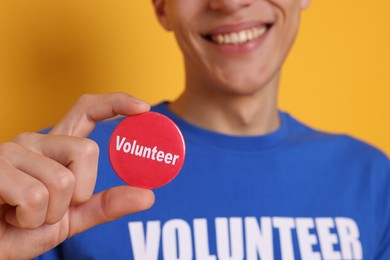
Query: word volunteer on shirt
x=247, y=238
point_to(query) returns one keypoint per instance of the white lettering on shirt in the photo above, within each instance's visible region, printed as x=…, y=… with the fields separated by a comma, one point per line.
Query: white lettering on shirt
x=258, y=238
x=247, y=238
x=327, y=238
x=177, y=242
x=145, y=247
x=201, y=238
x=231, y=246
x=306, y=239
x=285, y=225
x=348, y=231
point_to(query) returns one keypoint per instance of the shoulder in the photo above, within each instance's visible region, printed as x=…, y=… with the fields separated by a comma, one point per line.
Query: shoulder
x=343, y=146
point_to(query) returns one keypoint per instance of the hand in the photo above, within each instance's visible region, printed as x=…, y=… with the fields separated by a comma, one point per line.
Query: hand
x=47, y=181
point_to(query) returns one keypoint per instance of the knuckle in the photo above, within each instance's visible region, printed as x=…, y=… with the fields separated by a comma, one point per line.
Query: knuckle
x=119, y=95
x=87, y=149
x=30, y=224
x=91, y=148
x=24, y=137
x=80, y=197
x=85, y=99
x=7, y=148
x=36, y=197
x=106, y=203
x=64, y=182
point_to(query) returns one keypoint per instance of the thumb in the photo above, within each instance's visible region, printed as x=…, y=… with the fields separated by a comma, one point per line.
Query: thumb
x=107, y=206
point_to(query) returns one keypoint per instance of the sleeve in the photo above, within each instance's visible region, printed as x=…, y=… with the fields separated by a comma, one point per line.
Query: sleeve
x=383, y=252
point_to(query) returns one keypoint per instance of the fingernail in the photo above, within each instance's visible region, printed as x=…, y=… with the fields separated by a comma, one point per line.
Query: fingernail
x=140, y=102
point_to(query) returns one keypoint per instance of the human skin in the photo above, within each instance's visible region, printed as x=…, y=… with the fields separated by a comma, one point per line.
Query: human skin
x=231, y=88
x=47, y=181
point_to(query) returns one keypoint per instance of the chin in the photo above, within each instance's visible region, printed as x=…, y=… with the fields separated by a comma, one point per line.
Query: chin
x=241, y=88
x=245, y=80
x=241, y=84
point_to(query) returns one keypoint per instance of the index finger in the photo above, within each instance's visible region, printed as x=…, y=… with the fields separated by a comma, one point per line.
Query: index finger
x=90, y=109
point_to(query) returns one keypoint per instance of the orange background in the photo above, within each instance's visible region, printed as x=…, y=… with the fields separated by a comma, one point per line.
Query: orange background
x=337, y=77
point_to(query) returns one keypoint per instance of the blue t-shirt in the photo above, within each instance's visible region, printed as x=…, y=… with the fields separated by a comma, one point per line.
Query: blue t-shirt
x=296, y=193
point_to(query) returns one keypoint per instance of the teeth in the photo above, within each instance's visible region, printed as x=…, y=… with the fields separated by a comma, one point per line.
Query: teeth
x=226, y=39
x=234, y=38
x=239, y=37
x=249, y=35
x=242, y=36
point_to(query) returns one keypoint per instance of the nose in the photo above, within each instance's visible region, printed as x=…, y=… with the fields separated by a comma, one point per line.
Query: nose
x=229, y=6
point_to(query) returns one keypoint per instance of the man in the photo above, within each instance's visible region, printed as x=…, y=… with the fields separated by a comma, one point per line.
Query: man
x=256, y=183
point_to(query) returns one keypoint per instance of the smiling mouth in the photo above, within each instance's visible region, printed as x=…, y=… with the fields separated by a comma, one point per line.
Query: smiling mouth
x=239, y=37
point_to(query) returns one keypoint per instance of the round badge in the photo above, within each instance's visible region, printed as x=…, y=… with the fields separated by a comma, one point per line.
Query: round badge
x=147, y=150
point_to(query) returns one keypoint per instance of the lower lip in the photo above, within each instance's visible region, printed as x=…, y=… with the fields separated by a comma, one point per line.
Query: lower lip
x=240, y=49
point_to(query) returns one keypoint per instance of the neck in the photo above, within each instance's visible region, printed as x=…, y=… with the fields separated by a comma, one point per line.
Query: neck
x=227, y=113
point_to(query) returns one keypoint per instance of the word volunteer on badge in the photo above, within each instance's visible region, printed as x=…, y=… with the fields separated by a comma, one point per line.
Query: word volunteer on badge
x=147, y=150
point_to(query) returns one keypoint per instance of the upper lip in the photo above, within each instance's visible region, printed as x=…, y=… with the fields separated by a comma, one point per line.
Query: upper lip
x=235, y=27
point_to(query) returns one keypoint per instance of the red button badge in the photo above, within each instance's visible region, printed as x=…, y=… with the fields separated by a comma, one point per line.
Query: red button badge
x=147, y=150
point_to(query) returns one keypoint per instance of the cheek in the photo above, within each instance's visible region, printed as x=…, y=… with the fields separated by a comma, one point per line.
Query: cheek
x=182, y=11
x=182, y=16
x=289, y=12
